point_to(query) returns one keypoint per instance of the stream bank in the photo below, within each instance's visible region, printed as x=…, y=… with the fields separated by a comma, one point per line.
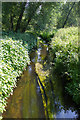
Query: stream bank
x=31, y=100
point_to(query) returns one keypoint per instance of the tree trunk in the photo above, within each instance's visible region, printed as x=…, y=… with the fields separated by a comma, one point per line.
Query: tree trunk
x=20, y=17
x=23, y=30
x=11, y=21
x=68, y=15
x=30, y=18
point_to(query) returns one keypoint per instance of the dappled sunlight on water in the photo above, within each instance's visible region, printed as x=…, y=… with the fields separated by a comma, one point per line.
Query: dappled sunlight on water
x=26, y=101
x=32, y=99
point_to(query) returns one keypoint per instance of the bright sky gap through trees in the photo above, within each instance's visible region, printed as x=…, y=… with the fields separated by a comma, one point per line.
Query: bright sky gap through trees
x=39, y=0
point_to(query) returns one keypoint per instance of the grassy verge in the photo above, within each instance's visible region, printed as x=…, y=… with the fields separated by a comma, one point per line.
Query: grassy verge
x=13, y=59
x=66, y=61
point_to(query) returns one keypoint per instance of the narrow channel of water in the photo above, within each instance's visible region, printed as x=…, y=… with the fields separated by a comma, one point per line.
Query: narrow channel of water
x=27, y=100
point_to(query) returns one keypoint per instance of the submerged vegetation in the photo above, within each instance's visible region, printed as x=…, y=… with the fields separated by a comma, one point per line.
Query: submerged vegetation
x=41, y=73
x=58, y=74
x=14, y=58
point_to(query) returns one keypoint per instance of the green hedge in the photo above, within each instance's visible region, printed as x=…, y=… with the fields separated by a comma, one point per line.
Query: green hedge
x=13, y=59
x=66, y=50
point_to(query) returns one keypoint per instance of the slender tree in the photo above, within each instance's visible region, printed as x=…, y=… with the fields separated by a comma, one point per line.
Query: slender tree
x=68, y=15
x=31, y=12
x=20, y=16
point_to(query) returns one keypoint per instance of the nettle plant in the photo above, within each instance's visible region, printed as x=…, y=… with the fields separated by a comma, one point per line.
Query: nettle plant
x=13, y=59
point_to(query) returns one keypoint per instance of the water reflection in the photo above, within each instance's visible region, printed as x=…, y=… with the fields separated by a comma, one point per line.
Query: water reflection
x=66, y=114
x=26, y=101
x=39, y=53
x=32, y=100
x=59, y=104
x=29, y=68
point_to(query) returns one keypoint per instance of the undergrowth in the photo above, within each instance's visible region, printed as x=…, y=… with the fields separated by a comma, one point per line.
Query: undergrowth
x=13, y=59
x=28, y=39
x=66, y=63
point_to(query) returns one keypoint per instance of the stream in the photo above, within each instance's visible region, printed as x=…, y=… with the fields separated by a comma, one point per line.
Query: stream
x=31, y=100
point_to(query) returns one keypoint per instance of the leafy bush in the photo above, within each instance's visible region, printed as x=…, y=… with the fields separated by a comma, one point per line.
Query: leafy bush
x=65, y=47
x=13, y=59
x=47, y=35
x=28, y=39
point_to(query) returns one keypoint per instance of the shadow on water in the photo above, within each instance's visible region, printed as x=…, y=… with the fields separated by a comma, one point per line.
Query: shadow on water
x=35, y=98
x=59, y=104
x=26, y=101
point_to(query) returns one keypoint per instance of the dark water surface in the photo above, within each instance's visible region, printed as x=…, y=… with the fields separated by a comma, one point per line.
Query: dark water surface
x=27, y=100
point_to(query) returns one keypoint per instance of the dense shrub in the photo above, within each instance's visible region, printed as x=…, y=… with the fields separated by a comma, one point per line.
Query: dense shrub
x=13, y=59
x=65, y=47
x=28, y=39
x=47, y=35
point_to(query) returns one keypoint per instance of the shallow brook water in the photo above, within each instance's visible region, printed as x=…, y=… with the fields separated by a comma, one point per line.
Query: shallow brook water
x=28, y=99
